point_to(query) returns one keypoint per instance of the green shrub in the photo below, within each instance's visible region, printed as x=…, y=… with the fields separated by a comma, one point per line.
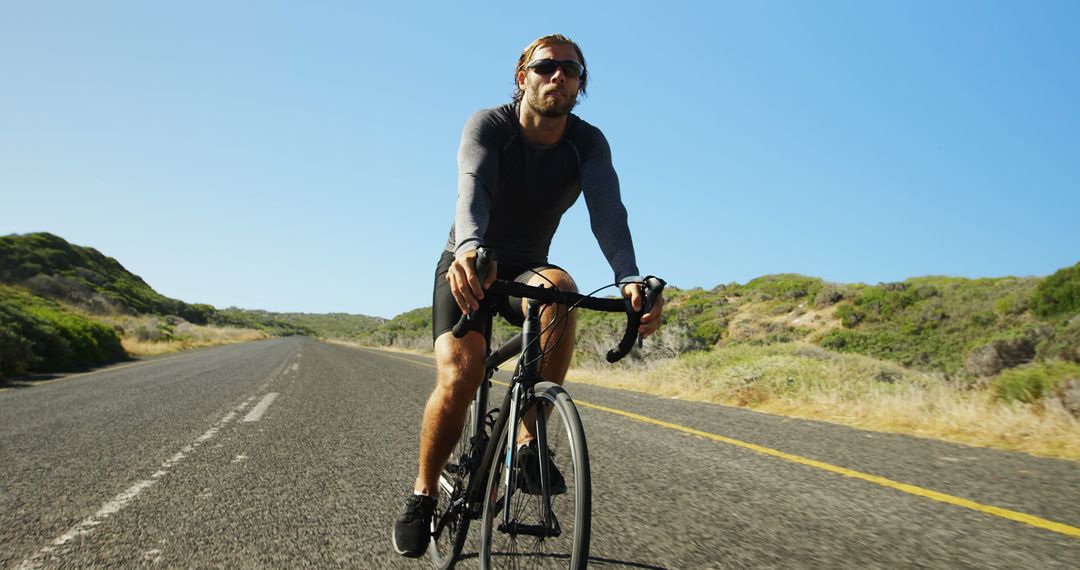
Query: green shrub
x=1063, y=342
x=923, y=351
x=199, y=313
x=830, y=294
x=850, y=316
x=705, y=313
x=1012, y=304
x=152, y=328
x=785, y=286
x=16, y=351
x=1031, y=382
x=39, y=335
x=1059, y=293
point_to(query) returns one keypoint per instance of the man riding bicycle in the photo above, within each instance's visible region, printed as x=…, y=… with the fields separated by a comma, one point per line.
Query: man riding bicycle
x=520, y=167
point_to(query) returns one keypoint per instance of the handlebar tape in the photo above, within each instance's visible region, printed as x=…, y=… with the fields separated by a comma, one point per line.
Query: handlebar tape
x=653, y=287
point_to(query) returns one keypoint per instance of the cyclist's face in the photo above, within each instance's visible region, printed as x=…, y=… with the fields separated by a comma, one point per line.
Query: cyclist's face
x=551, y=95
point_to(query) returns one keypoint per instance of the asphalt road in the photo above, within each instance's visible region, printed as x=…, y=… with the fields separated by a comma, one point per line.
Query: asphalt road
x=296, y=453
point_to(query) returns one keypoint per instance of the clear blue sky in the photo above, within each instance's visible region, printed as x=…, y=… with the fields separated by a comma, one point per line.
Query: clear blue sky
x=301, y=156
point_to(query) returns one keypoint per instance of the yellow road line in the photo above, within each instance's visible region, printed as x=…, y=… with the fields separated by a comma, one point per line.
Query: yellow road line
x=912, y=489
x=390, y=355
x=1015, y=516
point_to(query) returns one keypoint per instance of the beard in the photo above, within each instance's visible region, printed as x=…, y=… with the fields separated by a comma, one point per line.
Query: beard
x=550, y=107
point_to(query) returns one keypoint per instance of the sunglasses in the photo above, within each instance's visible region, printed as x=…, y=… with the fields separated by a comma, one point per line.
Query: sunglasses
x=569, y=67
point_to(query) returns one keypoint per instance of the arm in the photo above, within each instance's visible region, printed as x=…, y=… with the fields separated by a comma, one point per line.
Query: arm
x=478, y=167
x=600, y=184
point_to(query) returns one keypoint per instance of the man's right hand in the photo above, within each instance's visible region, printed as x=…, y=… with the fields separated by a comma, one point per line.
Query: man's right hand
x=465, y=283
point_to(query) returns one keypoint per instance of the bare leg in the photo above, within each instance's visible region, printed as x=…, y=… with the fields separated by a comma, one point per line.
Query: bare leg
x=460, y=369
x=557, y=342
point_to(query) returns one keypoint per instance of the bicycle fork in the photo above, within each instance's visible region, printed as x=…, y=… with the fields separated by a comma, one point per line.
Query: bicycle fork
x=511, y=447
x=529, y=375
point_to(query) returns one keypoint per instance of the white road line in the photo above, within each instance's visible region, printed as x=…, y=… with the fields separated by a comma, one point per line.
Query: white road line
x=256, y=413
x=210, y=433
x=120, y=501
x=280, y=372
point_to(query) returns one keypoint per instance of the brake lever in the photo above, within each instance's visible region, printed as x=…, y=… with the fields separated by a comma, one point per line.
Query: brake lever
x=653, y=286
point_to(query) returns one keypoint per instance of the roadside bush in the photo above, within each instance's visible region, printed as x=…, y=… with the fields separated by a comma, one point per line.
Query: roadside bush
x=151, y=329
x=1058, y=294
x=409, y=330
x=16, y=351
x=38, y=335
x=1031, y=382
x=199, y=313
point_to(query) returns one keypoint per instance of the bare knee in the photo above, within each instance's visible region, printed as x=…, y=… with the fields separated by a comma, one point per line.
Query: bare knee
x=460, y=364
x=557, y=278
x=554, y=277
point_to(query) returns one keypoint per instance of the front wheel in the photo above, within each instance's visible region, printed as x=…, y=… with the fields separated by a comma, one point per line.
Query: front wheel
x=530, y=534
x=450, y=523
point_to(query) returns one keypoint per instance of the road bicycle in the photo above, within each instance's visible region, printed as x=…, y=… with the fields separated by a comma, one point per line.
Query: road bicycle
x=522, y=525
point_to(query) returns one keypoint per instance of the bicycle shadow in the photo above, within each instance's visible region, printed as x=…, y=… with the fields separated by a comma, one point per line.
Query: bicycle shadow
x=607, y=562
x=594, y=561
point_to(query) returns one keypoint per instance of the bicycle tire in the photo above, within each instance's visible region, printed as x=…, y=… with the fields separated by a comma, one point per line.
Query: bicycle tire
x=566, y=440
x=453, y=483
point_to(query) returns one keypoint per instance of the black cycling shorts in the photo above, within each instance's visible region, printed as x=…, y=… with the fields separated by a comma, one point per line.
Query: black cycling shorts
x=444, y=309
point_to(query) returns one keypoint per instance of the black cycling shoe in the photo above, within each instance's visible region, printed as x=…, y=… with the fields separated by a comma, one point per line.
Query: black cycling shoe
x=529, y=480
x=412, y=531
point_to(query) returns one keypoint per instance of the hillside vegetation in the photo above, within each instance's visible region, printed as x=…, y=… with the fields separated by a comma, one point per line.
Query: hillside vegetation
x=961, y=330
x=37, y=334
x=66, y=307
x=985, y=361
x=992, y=361
x=50, y=267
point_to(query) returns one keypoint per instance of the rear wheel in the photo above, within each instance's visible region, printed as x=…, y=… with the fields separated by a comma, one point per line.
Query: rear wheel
x=450, y=524
x=532, y=535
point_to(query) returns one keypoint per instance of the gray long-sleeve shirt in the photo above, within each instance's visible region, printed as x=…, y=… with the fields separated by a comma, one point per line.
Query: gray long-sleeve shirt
x=512, y=193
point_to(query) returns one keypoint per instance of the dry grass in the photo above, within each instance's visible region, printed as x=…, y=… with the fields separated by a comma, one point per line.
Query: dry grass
x=387, y=348
x=971, y=417
x=191, y=336
x=808, y=382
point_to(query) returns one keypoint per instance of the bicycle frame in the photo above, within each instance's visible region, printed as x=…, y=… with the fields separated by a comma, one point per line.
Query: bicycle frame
x=526, y=375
